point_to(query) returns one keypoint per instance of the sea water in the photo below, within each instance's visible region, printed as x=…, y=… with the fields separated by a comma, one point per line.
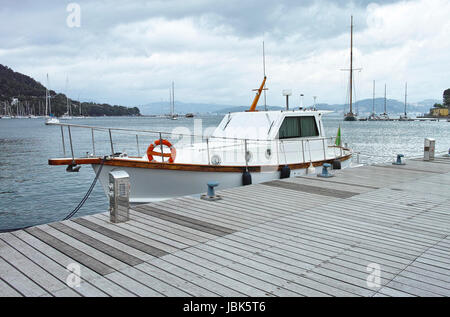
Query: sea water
x=32, y=192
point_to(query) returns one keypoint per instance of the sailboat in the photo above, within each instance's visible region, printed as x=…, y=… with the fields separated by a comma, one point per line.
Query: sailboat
x=384, y=116
x=68, y=114
x=350, y=116
x=172, y=116
x=48, y=108
x=373, y=116
x=5, y=114
x=404, y=117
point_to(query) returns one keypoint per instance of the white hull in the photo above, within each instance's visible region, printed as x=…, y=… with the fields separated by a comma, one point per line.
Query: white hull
x=149, y=185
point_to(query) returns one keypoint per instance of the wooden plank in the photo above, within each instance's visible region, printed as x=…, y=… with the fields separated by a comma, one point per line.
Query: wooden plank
x=152, y=281
x=133, y=232
x=130, y=241
x=30, y=269
x=311, y=189
x=19, y=281
x=147, y=231
x=72, y=252
x=164, y=273
x=97, y=244
x=132, y=285
x=7, y=291
x=49, y=265
x=118, y=245
x=185, y=221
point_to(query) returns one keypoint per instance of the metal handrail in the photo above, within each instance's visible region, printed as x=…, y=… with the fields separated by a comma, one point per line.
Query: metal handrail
x=209, y=146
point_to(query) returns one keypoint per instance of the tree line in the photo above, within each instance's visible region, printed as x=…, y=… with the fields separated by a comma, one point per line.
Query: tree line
x=30, y=95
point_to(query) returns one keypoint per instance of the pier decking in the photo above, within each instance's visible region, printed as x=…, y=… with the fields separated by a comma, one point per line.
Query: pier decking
x=302, y=236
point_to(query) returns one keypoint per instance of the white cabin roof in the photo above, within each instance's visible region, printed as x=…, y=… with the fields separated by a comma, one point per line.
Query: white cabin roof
x=259, y=125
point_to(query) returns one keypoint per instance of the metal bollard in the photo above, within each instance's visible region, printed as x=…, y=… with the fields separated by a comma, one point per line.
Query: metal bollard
x=325, y=172
x=119, y=196
x=399, y=160
x=211, y=195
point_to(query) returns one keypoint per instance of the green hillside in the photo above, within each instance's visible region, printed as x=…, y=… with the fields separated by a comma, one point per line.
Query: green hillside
x=31, y=96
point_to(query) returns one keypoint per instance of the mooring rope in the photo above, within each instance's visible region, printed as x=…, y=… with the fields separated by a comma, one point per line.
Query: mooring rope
x=88, y=193
x=77, y=208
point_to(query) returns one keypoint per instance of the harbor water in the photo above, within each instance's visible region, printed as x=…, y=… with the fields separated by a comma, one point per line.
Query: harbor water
x=32, y=192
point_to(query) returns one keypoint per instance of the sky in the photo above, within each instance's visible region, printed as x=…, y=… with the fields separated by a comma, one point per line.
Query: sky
x=129, y=52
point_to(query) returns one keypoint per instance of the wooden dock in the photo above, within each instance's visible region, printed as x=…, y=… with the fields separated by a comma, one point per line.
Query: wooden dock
x=304, y=236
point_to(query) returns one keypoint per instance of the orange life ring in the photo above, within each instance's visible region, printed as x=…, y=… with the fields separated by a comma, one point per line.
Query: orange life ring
x=172, y=155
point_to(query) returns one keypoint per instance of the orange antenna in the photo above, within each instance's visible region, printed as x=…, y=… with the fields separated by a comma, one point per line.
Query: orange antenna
x=258, y=94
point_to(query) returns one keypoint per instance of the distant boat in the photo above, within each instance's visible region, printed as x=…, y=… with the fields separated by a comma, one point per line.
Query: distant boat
x=189, y=115
x=51, y=120
x=68, y=114
x=48, y=107
x=350, y=116
x=172, y=115
x=404, y=117
x=384, y=116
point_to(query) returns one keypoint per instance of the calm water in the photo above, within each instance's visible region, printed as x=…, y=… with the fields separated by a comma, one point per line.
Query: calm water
x=32, y=192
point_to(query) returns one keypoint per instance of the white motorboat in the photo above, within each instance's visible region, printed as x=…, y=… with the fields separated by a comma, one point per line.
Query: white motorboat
x=261, y=143
x=51, y=120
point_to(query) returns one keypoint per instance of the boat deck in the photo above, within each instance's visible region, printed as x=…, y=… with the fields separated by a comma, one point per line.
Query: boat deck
x=304, y=236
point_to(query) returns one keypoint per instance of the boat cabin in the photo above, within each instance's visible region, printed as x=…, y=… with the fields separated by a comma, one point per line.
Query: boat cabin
x=271, y=125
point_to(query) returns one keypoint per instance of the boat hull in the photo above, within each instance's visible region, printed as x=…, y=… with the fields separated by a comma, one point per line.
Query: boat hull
x=149, y=185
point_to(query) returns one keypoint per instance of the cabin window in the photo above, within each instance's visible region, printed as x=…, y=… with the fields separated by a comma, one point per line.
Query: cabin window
x=298, y=127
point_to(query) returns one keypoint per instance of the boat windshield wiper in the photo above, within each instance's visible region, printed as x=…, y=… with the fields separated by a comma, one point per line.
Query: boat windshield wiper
x=228, y=121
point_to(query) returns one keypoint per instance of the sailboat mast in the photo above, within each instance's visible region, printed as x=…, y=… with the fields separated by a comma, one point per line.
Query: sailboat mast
x=351, y=63
x=406, y=94
x=385, y=99
x=373, y=98
x=46, y=98
x=170, y=102
x=173, y=98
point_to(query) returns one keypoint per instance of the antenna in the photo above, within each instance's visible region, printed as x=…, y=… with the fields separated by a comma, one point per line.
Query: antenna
x=264, y=71
x=287, y=93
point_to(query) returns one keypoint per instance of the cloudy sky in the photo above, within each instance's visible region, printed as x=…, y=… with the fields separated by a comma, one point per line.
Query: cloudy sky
x=128, y=52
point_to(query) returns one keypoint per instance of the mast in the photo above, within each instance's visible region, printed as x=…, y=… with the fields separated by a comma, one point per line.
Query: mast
x=264, y=71
x=385, y=99
x=67, y=97
x=373, y=98
x=46, y=98
x=173, y=99
x=351, y=63
x=406, y=94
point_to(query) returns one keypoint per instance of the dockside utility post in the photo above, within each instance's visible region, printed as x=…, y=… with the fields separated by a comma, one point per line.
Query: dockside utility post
x=119, y=196
x=428, y=150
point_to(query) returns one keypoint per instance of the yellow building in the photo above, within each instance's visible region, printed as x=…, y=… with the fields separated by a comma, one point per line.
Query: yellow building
x=439, y=112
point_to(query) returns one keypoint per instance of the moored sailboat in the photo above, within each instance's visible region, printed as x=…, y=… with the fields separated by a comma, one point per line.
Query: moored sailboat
x=350, y=116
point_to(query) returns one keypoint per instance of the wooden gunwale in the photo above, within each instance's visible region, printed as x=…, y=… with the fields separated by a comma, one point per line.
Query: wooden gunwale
x=185, y=167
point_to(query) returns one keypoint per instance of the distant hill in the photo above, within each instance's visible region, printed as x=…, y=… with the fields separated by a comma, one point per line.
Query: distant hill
x=362, y=106
x=31, y=97
x=393, y=106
